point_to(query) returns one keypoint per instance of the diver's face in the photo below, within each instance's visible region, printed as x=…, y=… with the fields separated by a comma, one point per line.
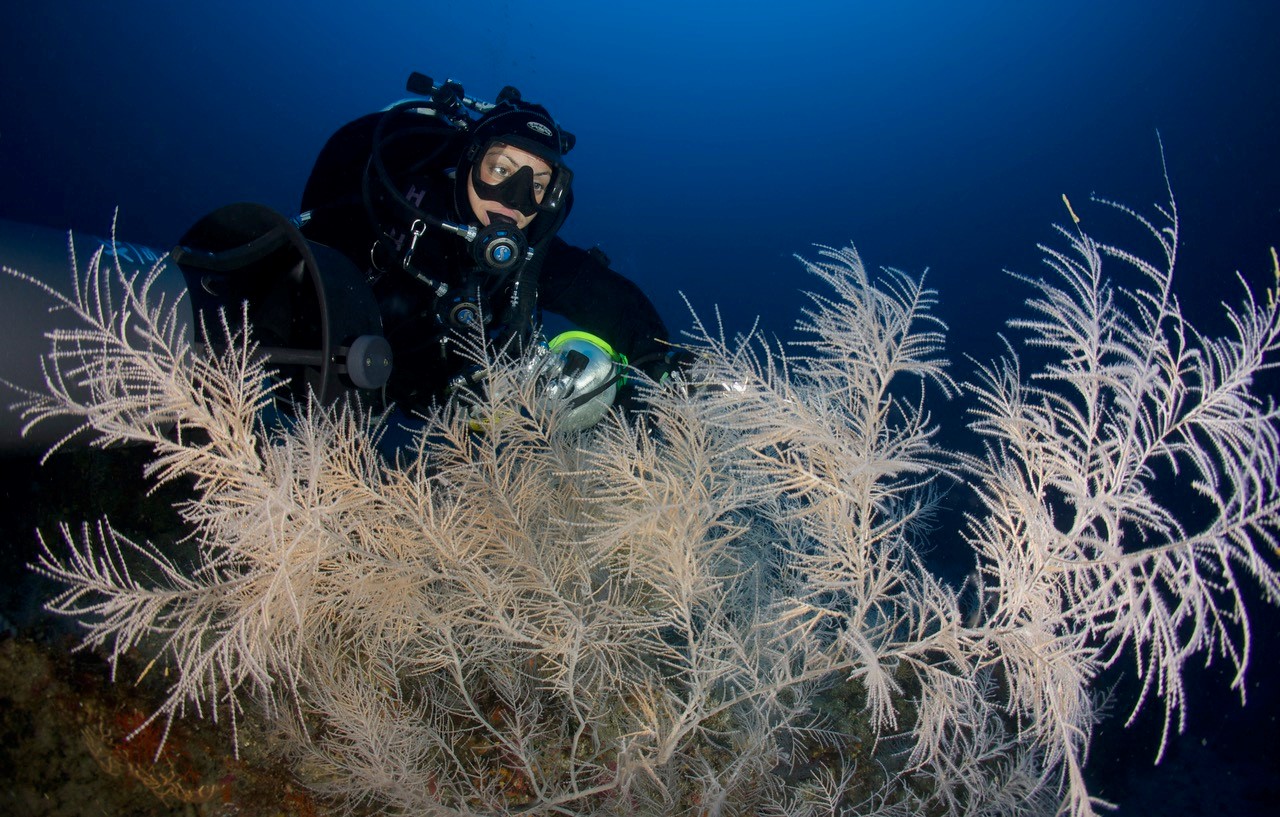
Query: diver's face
x=499, y=164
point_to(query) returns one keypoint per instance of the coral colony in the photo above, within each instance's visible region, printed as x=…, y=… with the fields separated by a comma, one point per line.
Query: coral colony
x=717, y=605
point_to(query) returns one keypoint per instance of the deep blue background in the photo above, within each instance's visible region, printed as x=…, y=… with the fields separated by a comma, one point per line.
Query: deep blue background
x=712, y=144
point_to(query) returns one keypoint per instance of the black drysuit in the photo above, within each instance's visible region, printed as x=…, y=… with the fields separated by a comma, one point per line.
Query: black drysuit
x=574, y=283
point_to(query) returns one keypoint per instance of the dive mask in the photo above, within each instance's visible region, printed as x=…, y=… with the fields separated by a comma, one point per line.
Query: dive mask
x=502, y=173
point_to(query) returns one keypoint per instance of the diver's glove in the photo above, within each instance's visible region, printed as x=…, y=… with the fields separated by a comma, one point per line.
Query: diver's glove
x=674, y=369
x=468, y=391
x=677, y=374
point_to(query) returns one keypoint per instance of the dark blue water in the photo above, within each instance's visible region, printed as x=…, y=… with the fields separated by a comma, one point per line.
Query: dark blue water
x=712, y=144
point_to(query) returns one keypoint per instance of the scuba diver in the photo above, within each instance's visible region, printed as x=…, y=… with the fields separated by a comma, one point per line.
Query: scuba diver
x=453, y=218
x=426, y=227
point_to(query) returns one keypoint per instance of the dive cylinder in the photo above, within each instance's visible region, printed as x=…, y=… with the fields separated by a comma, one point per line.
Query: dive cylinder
x=27, y=312
x=311, y=311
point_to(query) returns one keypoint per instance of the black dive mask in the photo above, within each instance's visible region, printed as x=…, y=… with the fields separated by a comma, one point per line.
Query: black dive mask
x=516, y=192
x=497, y=177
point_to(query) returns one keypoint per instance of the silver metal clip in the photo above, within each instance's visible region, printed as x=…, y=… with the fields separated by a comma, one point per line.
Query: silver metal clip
x=418, y=228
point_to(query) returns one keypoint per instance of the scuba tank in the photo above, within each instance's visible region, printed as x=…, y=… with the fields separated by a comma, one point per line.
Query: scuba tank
x=312, y=313
x=29, y=313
